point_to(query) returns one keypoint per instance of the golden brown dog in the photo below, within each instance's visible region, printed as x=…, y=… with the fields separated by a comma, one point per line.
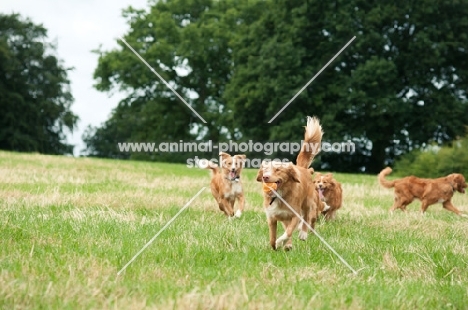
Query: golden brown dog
x=429, y=191
x=294, y=184
x=226, y=185
x=330, y=193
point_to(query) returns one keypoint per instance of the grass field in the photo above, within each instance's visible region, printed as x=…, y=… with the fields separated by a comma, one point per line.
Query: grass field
x=68, y=225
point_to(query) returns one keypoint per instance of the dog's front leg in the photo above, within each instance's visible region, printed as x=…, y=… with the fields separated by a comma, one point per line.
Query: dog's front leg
x=272, y=225
x=240, y=208
x=226, y=207
x=286, y=238
x=449, y=206
x=303, y=233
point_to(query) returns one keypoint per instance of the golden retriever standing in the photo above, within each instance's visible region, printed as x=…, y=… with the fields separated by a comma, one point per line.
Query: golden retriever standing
x=330, y=193
x=429, y=191
x=294, y=184
x=226, y=185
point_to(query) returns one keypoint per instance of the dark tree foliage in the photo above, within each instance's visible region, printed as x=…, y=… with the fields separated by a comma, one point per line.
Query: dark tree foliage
x=399, y=86
x=35, y=99
x=187, y=42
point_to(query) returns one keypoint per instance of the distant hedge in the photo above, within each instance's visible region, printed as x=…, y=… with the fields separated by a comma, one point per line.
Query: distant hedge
x=435, y=161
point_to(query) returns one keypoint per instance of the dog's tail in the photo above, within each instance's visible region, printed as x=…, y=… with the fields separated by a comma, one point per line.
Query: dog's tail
x=210, y=165
x=382, y=175
x=312, y=142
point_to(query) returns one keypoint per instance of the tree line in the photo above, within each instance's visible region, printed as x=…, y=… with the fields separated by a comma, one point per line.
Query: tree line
x=399, y=86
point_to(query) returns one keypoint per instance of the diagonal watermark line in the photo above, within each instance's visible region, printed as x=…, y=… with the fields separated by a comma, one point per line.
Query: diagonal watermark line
x=162, y=79
x=311, y=80
x=161, y=230
x=313, y=230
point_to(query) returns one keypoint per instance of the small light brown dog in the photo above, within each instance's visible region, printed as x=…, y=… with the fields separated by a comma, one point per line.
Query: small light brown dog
x=330, y=193
x=429, y=191
x=294, y=185
x=226, y=185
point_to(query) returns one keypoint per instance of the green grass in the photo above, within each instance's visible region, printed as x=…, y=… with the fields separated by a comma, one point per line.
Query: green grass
x=68, y=225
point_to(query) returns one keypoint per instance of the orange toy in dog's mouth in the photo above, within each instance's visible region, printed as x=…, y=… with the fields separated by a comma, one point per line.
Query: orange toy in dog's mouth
x=268, y=186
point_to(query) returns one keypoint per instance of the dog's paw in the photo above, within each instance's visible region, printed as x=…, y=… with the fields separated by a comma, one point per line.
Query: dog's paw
x=463, y=215
x=326, y=207
x=279, y=244
x=303, y=235
x=288, y=247
x=281, y=241
x=238, y=214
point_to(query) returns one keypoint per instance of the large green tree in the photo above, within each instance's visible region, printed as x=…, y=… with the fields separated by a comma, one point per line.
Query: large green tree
x=400, y=85
x=35, y=98
x=187, y=43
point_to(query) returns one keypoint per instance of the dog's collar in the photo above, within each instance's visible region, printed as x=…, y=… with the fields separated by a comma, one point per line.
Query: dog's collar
x=272, y=199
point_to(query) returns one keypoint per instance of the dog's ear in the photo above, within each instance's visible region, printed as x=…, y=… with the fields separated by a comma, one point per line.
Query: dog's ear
x=293, y=174
x=224, y=155
x=241, y=158
x=311, y=170
x=260, y=175
x=459, y=179
x=329, y=174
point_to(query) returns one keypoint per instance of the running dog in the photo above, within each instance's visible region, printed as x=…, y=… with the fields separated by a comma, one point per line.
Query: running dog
x=428, y=191
x=226, y=185
x=295, y=189
x=330, y=193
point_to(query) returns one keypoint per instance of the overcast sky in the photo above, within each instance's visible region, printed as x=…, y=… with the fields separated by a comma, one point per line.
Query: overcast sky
x=79, y=26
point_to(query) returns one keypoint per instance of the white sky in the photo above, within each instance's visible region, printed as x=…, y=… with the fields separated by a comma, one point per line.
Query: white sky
x=79, y=26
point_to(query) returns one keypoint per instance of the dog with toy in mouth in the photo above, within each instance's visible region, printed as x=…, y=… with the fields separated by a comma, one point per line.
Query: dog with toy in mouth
x=226, y=185
x=294, y=185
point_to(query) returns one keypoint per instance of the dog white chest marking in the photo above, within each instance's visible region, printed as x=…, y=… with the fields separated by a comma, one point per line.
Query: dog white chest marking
x=274, y=211
x=236, y=189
